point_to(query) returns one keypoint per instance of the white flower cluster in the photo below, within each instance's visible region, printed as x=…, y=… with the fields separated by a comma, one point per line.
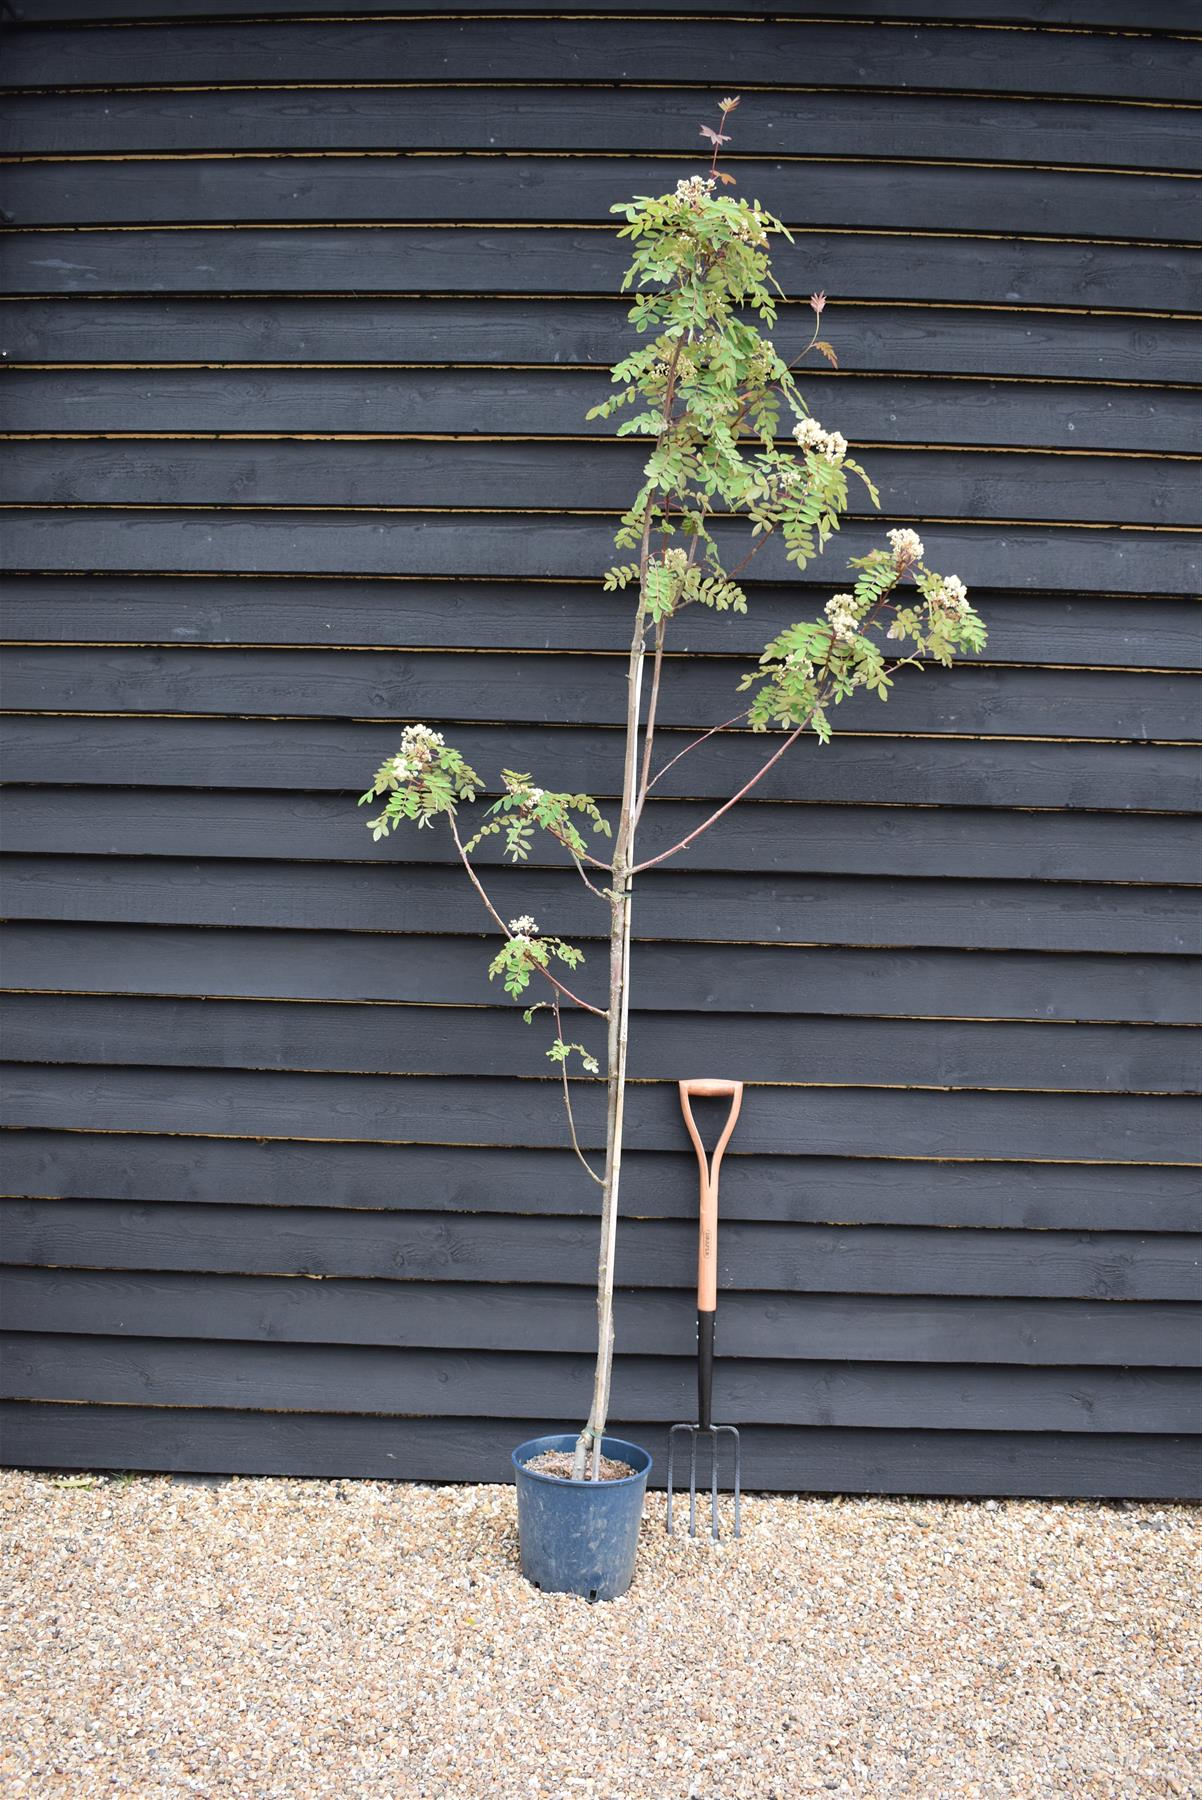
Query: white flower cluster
x=907, y=547
x=842, y=612
x=695, y=191
x=802, y=664
x=676, y=559
x=523, y=927
x=418, y=740
x=419, y=744
x=952, y=596
x=830, y=444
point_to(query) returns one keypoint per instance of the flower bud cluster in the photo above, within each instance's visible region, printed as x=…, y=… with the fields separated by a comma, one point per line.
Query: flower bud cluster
x=695, y=191
x=677, y=560
x=830, y=444
x=419, y=746
x=523, y=927
x=951, y=596
x=907, y=547
x=843, y=615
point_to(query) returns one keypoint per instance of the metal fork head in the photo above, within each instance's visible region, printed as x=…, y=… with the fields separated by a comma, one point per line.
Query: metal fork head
x=712, y=1432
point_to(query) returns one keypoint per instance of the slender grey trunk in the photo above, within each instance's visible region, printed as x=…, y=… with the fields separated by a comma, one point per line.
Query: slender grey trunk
x=619, y=998
x=619, y=1014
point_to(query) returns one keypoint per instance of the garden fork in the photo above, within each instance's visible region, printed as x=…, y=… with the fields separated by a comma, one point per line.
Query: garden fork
x=707, y=1305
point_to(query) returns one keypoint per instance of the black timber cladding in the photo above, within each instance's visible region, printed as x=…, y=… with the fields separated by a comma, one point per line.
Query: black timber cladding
x=302, y=309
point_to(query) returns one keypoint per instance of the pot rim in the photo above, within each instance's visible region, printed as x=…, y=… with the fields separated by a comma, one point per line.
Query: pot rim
x=561, y=1439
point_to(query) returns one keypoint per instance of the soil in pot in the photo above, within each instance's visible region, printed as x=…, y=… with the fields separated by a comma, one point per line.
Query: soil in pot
x=558, y=1464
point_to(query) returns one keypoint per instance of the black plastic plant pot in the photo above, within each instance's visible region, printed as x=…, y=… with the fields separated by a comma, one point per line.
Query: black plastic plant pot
x=580, y=1537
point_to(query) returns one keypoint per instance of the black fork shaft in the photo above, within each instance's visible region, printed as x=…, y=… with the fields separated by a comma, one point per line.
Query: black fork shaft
x=705, y=1369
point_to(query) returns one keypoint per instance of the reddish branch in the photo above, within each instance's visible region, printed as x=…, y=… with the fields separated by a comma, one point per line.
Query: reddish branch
x=496, y=917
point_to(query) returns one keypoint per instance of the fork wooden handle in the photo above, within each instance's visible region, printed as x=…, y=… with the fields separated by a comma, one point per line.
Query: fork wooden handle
x=708, y=1088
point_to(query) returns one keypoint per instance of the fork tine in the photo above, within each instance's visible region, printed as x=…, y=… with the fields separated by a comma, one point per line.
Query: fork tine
x=737, y=1484
x=714, y=1485
x=671, y=1453
x=671, y=1469
x=712, y=1433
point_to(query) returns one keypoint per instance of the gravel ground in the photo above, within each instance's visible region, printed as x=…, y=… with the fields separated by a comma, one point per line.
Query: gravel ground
x=308, y=1639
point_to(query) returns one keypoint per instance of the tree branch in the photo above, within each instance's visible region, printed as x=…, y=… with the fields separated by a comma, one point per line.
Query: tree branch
x=641, y=868
x=496, y=917
x=590, y=885
x=567, y=1101
x=649, y=729
x=712, y=732
x=579, y=856
x=792, y=738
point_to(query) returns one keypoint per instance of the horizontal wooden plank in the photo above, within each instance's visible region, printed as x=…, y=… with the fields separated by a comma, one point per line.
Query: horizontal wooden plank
x=478, y=331
x=814, y=1461
x=777, y=919
x=761, y=1258
x=484, y=1110
x=576, y=189
x=649, y=1322
x=508, y=474
x=345, y=1378
x=928, y=841
x=870, y=769
x=538, y=403
x=621, y=120
x=1150, y=16
x=797, y=1189
x=602, y=50
x=556, y=689
x=144, y=610
x=547, y=261
x=553, y=547
x=787, y=1046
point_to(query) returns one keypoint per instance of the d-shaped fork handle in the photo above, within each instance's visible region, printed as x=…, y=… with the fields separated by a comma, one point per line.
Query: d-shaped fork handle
x=708, y=1088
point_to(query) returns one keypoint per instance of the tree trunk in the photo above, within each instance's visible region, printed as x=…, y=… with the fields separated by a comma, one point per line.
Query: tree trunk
x=619, y=1014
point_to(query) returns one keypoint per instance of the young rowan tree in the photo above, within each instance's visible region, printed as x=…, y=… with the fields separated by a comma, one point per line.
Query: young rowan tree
x=708, y=391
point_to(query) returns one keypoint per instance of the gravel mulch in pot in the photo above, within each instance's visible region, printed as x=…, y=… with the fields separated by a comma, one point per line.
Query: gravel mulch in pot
x=339, y=1640
x=558, y=1463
